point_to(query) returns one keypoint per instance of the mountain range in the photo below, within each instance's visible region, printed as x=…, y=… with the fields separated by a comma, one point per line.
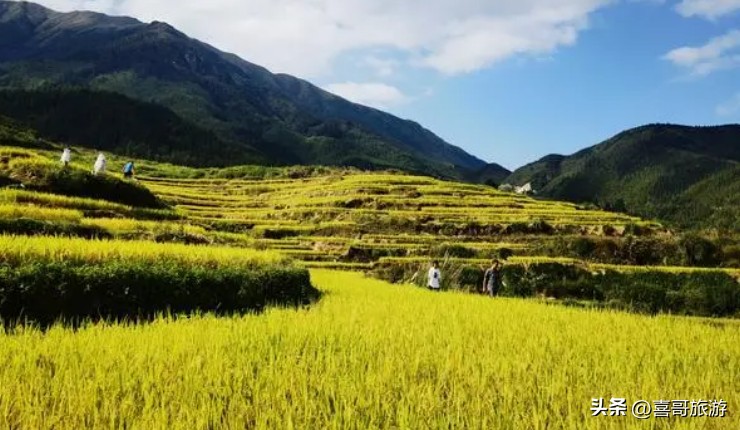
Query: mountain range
x=273, y=118
x=149, y=90
x=686, y=175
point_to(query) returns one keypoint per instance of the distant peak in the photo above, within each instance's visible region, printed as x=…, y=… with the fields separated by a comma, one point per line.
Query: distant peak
x=21, y=5
x=553, y=158
x=38, y=14
x=160, y=25
x=33, y=12
x=163, y=28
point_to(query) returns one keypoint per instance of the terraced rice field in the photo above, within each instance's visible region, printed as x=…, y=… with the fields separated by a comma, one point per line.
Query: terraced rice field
x=318, y=219
x=371, y=355
x=330, y=218
x=367, y=354
x=337, y=219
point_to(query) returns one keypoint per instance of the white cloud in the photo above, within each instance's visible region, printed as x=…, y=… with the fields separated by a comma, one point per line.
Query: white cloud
x=477, y=43
x=719, y=53
x=373, y=94
x=710, y=9
x=383, y=67
x=730, y=108
x=304, y=37
x=69, y=5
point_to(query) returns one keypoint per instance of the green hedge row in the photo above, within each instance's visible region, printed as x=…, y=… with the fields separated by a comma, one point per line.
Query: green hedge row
x=46, y=292
x=31, y=227
x=706, y=293
x=685, y=250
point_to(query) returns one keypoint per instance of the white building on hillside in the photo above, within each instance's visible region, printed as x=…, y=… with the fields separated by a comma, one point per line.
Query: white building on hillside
x=524, y=189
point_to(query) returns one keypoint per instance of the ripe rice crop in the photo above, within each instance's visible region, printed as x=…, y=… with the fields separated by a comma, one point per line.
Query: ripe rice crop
x=370, y=355
x=57, y=201
x=127, y=225
x=17, y=250
x=43, y=279
x=13, y=212
x=86, y=205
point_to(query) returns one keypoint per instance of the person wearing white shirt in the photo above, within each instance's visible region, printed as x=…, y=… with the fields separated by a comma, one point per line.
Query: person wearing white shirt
x=66, y=157
x=100, y=164
x=434, y=282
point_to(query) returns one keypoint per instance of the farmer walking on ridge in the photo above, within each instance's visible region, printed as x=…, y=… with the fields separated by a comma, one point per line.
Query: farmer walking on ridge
x=434, y=281
x=100, y=164
x=128, y=170
x=492, y=279
x=66, y=156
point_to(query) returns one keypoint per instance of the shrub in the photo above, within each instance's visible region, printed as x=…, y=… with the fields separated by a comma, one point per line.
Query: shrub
x=504, y=254
x=645, y=251
x=698, y=293
x=608, y=230
x=631, y=250
x=396, y=273
x=541, y=227
x=470, y=278
x=710, y=294
x=518, y=282
x=583, y=247
x=277, y=233
x=453, y=251
x=713, y=293
x=228, y=226
x=641, y=294
x=179, y=236
x=366, y=255
x=44, y=292
x=535, y=227
x=698, y=251
x=516, y=228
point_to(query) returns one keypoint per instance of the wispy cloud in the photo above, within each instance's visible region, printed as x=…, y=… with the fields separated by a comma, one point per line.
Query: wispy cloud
x=383, y=67
x=718, y=54
x=306, y=37
x=375, y=94
x=710, y=9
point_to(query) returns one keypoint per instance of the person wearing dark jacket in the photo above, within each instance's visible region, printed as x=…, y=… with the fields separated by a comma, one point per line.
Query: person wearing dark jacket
x=492, y=279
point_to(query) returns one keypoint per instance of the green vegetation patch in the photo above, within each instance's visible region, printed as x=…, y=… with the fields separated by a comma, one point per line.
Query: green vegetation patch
x=43, y=280
x=40, y=174
x=701, y=292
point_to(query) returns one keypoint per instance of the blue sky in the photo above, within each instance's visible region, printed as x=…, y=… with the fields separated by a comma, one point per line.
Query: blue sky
x=508, y=80
x=613, y=78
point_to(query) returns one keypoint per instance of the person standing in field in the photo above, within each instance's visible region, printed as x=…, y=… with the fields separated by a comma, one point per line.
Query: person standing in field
x=66, y=156
x=128, y=170
x=434, y=282
x=100, y=164
x=492, y=279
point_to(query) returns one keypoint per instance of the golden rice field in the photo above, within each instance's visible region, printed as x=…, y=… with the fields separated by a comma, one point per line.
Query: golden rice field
x=356, y=198
x=332, y=219
x=366, y=355
x=316, y=219
x=19, y=250
x=370, y=355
